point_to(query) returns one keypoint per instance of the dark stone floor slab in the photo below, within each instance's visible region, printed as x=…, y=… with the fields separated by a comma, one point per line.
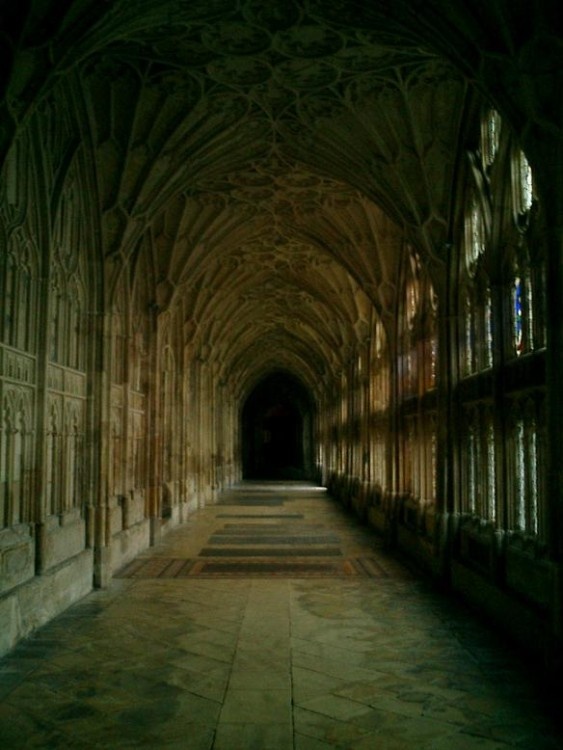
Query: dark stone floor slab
x=235, y=651
x=269, y=552
x=274, y=539
x=244, y=528
x=166, y=567
x=256, y=501
x=271, y=568
x=283, y=516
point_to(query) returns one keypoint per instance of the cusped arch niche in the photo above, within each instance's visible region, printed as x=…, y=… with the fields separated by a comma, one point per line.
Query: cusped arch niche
x=277, y=429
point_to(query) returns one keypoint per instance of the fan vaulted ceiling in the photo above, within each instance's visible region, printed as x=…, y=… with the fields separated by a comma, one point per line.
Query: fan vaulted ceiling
x=269, y=159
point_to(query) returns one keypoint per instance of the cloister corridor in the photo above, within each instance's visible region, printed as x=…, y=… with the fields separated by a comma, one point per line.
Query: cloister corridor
x=311, y=242
x=274, y=621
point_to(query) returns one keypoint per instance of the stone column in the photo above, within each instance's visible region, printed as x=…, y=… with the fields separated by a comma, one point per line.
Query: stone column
x=393, y=447
x=40, y=510
x=154, y=425
x=447, y=437
x=99, y=523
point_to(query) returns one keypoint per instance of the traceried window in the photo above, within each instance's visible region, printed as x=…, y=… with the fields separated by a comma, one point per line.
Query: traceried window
x=521, y=314
x=140, y=353
x=410, y=318
x=418, y=370
x=490, y=137
x=475, y=298
x=429, y=344
x=526, y=457
x=500, y=248
x=479, y=462
x=474, y=235
x=523, y=186
x=525, y=282
x=379, y=368
x=517, y=314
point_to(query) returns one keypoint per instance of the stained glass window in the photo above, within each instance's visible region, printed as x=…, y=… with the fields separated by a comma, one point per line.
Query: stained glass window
x=518, y=315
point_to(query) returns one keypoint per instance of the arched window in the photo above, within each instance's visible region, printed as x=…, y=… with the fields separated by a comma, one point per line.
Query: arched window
x=379, y=370
x=501, y=487
x=475, y=244
x=475, y=297
x=526, y=458
x=523, y=187
x=471, y=465
x=479, y=462
x=429, y=342
x=524, y=334
x=525, y=280
x=521, y=336
x=418, y=353
x=490, y=137
x=410, y=333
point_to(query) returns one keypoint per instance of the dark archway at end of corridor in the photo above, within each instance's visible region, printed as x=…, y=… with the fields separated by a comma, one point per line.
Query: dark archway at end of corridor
x=277, y=430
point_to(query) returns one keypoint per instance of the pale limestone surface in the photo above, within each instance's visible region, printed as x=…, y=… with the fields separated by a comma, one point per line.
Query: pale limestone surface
x=347, y=660
x=364, y=196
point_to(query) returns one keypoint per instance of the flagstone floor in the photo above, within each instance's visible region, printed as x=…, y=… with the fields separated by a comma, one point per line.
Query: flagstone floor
x=271, y=621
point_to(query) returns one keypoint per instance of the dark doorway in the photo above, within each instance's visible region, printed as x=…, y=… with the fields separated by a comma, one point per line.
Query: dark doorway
x=277, y=421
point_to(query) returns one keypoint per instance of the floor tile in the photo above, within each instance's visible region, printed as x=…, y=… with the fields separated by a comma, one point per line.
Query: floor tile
x=253, y=737
x=358, y=657
x=260, y=706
